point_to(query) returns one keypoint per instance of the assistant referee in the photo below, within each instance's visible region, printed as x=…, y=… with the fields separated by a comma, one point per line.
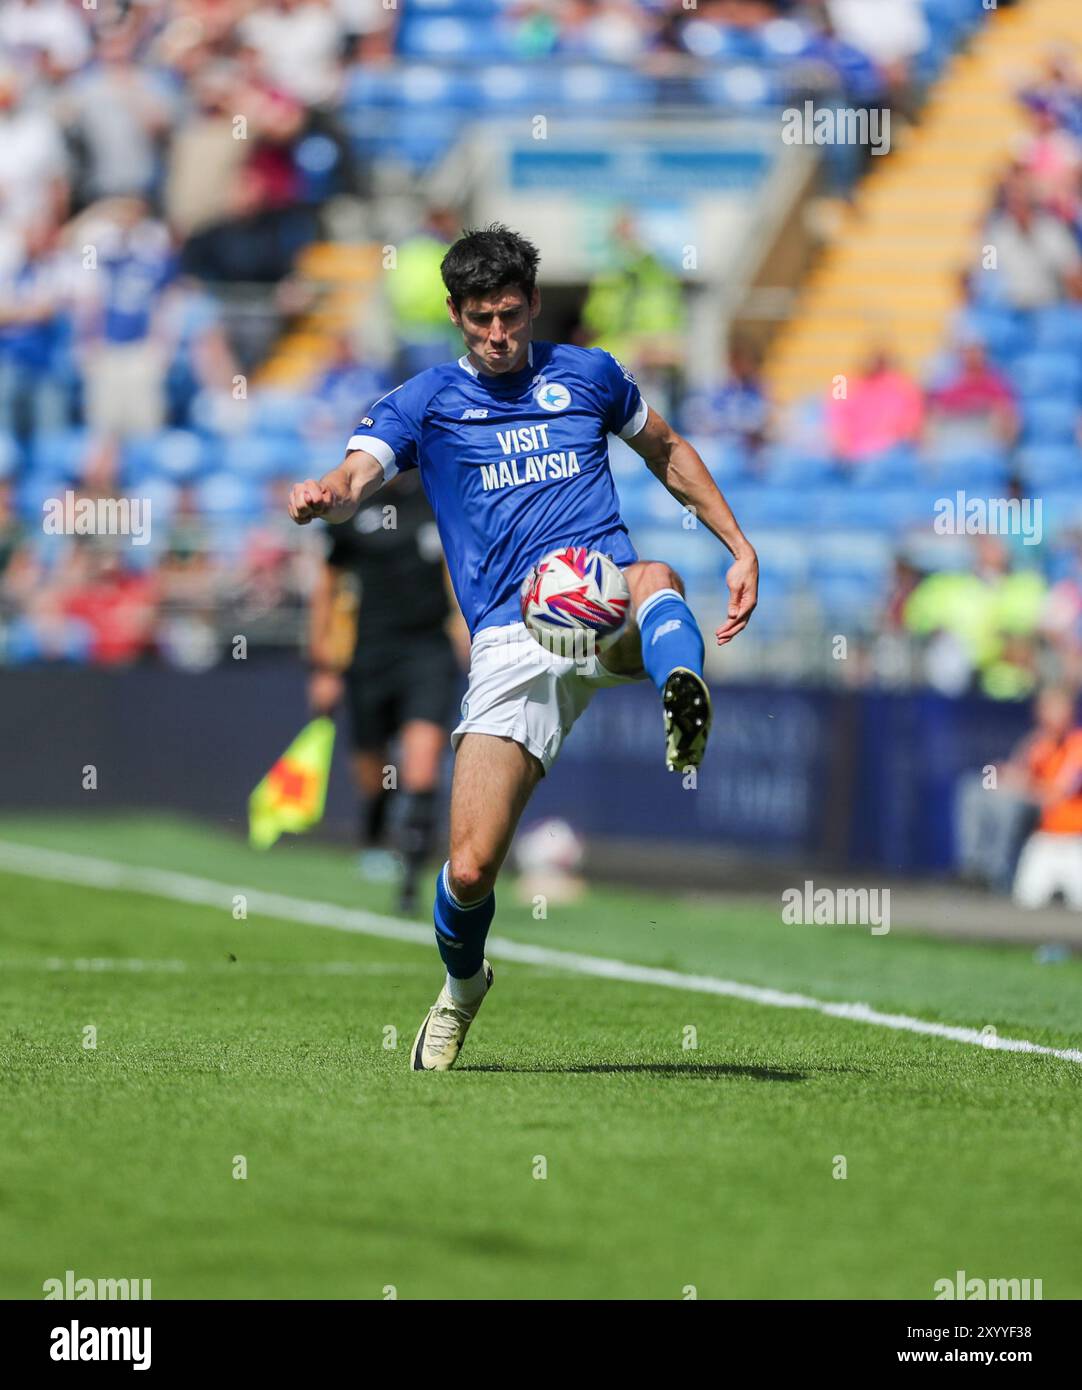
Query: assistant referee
x=402, y=679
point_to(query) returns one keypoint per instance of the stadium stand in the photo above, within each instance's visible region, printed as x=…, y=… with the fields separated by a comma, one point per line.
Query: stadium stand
x=206, y=317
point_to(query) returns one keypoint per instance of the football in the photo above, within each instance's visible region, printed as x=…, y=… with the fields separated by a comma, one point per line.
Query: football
x=575, y=602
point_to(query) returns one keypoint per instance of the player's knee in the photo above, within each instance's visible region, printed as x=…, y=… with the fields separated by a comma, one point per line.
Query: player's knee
x=650, y=576
x=471, y=879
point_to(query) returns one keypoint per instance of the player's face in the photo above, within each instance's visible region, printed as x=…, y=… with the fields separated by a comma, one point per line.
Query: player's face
x=496, y=328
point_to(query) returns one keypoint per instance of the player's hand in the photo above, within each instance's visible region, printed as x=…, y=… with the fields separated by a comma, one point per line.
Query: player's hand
x=743, y=582
x=309, y=499
x=325, y=691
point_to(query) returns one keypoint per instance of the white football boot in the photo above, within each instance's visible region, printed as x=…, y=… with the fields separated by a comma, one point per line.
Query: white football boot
x=686, y=702
x=441, y=1035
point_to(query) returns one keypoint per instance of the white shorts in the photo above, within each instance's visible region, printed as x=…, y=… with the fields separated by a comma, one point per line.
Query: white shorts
x=1049, y=864
x=518, y=690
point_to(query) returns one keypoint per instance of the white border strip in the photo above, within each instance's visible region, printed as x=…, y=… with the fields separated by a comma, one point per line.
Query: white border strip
x=32, y=862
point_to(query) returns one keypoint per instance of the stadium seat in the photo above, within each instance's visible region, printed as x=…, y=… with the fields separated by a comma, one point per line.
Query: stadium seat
x=725, y=458
x=998, y=327
x=1042, y=465
x=162, y=495
x=264, y=455
x=1049, y=420
x=10, y=455
x=1048, y=372
x=61, y=452
x=739, y=88
x=785, y=555
x=693, y=553
x=507, y=87
x=32, y=490
x=852, y=555
x=226, y=496
x=451, y=38
x=594, y=87
x=895, y=467
x=179, y=455
x=279, y=412
x=786, y=466
x=1058, y=328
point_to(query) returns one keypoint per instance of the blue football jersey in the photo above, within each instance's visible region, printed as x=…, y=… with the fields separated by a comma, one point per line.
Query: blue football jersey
x=514, y=466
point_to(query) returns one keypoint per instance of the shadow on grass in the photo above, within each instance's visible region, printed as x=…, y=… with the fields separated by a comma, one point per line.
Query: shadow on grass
x=692, y=1070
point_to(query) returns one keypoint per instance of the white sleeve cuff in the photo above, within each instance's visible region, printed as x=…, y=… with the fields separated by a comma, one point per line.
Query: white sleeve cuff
x=381, y=452
x=631, y=429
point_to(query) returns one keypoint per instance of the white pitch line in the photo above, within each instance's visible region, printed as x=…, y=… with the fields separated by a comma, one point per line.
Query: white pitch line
x=138, y=965
x=32, y=862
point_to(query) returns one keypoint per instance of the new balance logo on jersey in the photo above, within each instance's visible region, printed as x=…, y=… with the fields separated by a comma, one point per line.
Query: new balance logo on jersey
x=475, y=414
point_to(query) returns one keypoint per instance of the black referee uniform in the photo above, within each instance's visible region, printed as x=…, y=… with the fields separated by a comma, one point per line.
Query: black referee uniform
x=403, y=665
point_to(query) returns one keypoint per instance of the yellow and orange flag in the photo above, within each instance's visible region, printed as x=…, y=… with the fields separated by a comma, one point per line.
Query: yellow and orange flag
x=292, y=795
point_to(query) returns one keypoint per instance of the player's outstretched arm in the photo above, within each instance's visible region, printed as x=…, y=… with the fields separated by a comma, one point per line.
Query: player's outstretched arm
x=675, y=464
x=338, y=495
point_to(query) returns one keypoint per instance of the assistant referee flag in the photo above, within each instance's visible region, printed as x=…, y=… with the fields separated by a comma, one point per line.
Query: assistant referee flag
x=293, y=793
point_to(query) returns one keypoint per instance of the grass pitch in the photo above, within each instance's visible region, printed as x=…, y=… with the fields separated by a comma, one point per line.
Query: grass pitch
x=663, y=1166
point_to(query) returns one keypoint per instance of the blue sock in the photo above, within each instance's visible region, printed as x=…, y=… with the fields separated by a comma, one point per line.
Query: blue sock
x=461, y=929
x=670, y=636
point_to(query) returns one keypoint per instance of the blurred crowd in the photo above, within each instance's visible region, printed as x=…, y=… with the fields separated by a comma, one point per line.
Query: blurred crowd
x=161, y=161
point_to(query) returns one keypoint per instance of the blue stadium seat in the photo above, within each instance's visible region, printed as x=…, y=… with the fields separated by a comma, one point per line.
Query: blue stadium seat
x=786, y=466
x=512, y=87
x=263, y=455
x=1049, y=420
x=31, y=492
x=694, y=554
x=985, y=471
x=421, y=86
x=162, y=494
x=228, y=496
x=279, y=412
x=1058, y=328
x=719, y=43
x=177, y=454
x=999, y=327
x=594, y=87
x=853, y=555
x=740, y=88
x=61, y=452
x=1048, y=372
x=1062, y=507
x=470, y=9
x=1044, y=464
x=725, y=458
x=10, y=455
x=895, y=467
x=782, y=40
x=445, y=38
x=785, y=555
x=847, y=602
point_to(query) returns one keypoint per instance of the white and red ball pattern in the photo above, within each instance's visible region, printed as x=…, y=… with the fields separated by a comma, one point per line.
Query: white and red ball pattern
x=576, y=601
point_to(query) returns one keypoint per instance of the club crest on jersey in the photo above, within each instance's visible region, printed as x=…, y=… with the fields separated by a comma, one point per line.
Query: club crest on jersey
x=551, y=396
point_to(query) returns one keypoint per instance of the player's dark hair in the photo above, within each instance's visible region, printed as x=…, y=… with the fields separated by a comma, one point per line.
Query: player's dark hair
x=488, y=259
